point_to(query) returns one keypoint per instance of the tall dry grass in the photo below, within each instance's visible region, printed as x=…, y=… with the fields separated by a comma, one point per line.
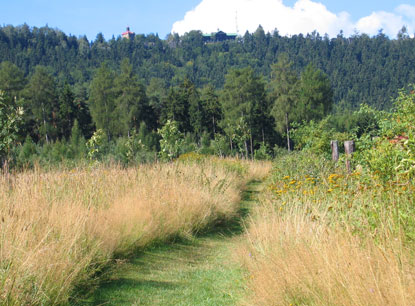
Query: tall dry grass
x=328, y=239
x=292, y=260
x=58, y=228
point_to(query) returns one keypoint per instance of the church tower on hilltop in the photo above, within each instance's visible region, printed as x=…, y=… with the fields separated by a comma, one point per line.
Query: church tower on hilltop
x=128, y=34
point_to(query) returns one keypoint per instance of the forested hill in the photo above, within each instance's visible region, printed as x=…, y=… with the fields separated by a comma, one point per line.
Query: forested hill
x=360, y=68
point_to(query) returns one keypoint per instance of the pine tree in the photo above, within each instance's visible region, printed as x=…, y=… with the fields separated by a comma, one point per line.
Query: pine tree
x=102, y=101
x=242, y=92
x=12, y=79
x=283, y=95
x=132, y=105
x=67, y=111
x=315, y=95
x=41, y=104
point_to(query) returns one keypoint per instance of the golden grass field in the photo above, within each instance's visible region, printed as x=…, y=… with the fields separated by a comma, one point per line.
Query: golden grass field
x=59, y=228
x=319, y=237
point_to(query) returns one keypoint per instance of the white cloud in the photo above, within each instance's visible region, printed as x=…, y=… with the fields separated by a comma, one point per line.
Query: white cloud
x=390, y=23
x=304, y=17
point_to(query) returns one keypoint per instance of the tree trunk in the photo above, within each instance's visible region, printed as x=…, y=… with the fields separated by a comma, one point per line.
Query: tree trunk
x=246, y=149
x=288, y=132
x=252, y=148
x=44, y=123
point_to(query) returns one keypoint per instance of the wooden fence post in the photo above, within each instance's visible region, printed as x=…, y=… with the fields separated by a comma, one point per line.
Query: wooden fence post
x=349, y=149
x=335, y=150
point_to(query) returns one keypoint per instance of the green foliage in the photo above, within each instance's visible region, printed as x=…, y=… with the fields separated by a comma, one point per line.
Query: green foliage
x=12, y=79
x=27, y=153
x=129, y=148
x=220, y=145
x=391, y=153
x=102, y=100
x=118, y=85
x=67, y=111
x=246, y=110
x=213, y=112
x=41, y=105
x=77, y=141
x=178, y=105
x=10, y=120
x=95, y=144
x=316, y=136
x=263, y=152
x=315, y=95
x=132, y=105
x=361, y=68
x=283, y=93
x=171, y=140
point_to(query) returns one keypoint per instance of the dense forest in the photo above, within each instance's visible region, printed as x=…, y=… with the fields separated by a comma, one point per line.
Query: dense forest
x=229, y=96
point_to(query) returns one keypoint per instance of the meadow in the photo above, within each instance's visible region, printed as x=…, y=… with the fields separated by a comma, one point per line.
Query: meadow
x=322, y=236
x=61, y=229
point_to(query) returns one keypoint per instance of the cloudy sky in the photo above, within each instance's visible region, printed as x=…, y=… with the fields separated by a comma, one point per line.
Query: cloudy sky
x=90, y=17
x=293, y=17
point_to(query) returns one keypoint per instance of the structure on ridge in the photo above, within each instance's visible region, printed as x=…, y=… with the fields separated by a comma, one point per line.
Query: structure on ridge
x=218, y=37
x=128, y=34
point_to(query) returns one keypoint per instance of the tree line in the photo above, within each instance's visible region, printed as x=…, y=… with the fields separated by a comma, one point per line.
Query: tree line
x=247, y=113
x=360, y=68
x=232, y=97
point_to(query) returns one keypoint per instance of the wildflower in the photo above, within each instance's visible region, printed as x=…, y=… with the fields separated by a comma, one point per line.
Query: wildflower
x=286, y=177
x=330, y=190
x=292, y=182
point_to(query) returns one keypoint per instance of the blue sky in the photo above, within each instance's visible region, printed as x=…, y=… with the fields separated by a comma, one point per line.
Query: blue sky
x=90, y=17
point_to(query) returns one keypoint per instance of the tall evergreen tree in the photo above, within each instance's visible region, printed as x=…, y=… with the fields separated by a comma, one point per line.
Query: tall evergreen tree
x=12, y=79
x=66, y=112
x=284, y=95
x=41, y=104
x=242, y=93
x=315, y=95
x=178, y=105
x=132, y=105
x=213, y=113
x=102, y=100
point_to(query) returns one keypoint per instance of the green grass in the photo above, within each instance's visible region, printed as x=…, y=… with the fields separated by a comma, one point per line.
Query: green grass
x=200, y=271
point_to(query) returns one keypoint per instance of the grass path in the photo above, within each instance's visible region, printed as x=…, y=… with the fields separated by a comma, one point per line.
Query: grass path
x=197, y=272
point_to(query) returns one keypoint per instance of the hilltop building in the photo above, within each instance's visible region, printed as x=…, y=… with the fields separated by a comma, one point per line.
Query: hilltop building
x=218, y=37
x=128, y=34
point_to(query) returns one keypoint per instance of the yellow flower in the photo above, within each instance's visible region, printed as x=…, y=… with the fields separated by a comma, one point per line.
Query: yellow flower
x=286, y=177
x=330, y=190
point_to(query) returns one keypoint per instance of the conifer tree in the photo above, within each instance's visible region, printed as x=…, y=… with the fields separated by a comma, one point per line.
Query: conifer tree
x=102, y=100
x=132, y=105
x=283, y=95
x=41, y=104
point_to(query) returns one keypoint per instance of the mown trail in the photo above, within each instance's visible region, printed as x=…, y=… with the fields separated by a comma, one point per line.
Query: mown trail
x=197, y=272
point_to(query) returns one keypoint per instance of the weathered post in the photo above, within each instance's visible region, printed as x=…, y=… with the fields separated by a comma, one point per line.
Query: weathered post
x=349, y=149
x=335, y=150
